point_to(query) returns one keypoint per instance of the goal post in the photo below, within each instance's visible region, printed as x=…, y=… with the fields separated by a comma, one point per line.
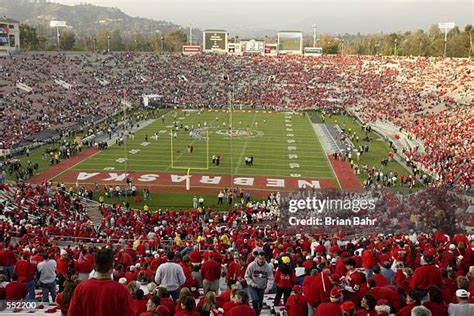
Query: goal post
x=188, y=168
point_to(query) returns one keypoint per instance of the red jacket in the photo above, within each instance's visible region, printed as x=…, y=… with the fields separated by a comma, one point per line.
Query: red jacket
x=187, y=313
x=388, y=293
x=285, y=280
x=318, y=289
x=168, y=303
x=242, y=310
x=425, y=277
x=326, y=309
x=436, y=309
x=380, y=280
x=15, y=291
x=25, y=270
x=406, y=311
x=296, y=305
x=101, y=298
x=211, y=270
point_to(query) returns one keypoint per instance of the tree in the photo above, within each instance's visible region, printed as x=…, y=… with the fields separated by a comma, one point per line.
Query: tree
x=116, y=43
x=102, y=40
x=329, y=44
x=67, y=40
x=28, y=37
x=175, y=40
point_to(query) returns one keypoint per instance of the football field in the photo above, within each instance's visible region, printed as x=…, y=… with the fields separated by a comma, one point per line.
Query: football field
x=285, y=149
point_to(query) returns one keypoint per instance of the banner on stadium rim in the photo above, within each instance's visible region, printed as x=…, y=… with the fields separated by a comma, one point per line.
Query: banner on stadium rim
x=191, y=49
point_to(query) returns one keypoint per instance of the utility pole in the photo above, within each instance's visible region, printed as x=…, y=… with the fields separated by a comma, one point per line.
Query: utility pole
x=314, y=35
x=190, y=35
x=446, y=27
x=470, y=43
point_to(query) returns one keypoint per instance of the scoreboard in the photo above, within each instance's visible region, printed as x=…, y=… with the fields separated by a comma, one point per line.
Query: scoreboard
x=215, y=41
x=290, y=42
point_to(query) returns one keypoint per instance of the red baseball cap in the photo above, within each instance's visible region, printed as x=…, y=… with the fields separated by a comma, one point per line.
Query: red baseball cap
x=335, y=293
x=348, y=307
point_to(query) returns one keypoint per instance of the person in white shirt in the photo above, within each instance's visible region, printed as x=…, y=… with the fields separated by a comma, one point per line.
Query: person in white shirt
x=47, y=277
x=170, y=275
x=463, y=308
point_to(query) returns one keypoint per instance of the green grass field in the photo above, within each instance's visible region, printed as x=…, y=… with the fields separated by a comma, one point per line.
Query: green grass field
x=269, y=138
x=379, y=148
x=268, y=144
x=270, y=135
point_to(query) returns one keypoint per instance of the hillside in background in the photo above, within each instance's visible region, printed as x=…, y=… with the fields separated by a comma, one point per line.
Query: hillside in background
x=84, y=20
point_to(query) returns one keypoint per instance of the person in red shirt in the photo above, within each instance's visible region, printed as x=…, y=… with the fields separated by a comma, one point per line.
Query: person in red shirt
x=64, y=298
x=151, y=305
x=224, y=297
x=380, y=279
x=296, y=304
x=101, y=296
x=436, y=304
x=8, y=261
x=426, y=276
x=388, y=293
x=26, y=274
x=15, y=291
x=62, y=268
x=162, y=311
x=413, y=300
x=284, y=279
x=211, y=272
x=236, y=270
x=188, y=307
x=352, y=280
x=131, y=275
x=332, y=308
x=348, y=308
x=139, y=302
x=368, y=304
x=241, y=308
x=165, y=299
x=230, y=304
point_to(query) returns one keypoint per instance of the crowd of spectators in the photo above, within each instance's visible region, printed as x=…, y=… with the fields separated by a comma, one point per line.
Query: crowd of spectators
x=430, y=98
x=200, y=261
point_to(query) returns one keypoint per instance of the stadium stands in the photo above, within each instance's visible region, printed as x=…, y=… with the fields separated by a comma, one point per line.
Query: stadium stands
x=413, y=93
x=46, y=219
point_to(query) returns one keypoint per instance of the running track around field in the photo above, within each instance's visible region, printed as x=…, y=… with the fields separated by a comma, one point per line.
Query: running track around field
x=346, y=176
x=64, y=165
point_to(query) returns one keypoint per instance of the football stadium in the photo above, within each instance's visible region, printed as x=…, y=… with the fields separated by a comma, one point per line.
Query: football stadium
x=207, y=174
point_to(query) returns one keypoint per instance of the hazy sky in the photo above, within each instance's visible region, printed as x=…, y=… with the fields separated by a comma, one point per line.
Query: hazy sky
x=335, y=16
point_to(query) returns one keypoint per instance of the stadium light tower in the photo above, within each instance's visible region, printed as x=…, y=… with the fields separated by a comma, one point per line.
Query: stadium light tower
x=446, y=27
x=314, y=35
x=396, y=42
x=190, y=35
x=57, y=25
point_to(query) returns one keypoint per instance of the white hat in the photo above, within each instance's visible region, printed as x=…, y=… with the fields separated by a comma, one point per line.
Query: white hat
x=123, y=281
x=452, y=247
x=462, y=293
